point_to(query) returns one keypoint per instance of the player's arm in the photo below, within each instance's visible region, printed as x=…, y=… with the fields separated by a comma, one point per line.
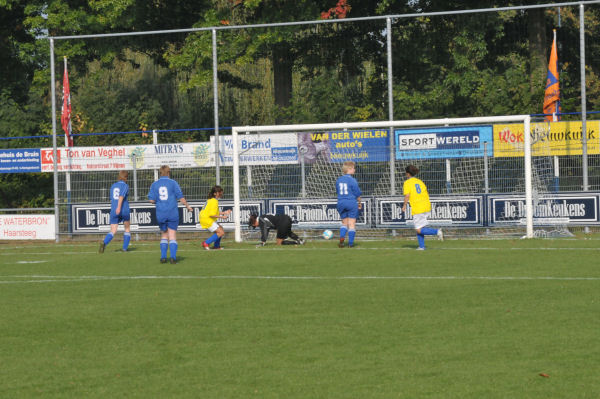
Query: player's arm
x=264, y=232
x=119, y=204
x=184, y=202
x=357, y=194
x=223, y=215
x=406, y=199
x=151, y=196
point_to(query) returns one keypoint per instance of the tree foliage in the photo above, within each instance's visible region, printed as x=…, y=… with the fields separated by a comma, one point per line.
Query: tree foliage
x=491, y=63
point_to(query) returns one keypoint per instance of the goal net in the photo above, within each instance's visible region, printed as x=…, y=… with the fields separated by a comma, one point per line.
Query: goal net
x=477, y=185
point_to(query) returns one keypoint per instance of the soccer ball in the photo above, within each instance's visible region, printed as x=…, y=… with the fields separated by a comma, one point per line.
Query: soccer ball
x=327, y=234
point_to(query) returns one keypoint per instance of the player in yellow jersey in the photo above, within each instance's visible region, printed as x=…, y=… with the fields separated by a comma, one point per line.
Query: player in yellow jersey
x=415, y=193
x=208, y=218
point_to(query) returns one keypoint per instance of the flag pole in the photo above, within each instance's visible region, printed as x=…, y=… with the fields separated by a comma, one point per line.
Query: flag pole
x=554, y=116
x=54, y=150
x=68, y=150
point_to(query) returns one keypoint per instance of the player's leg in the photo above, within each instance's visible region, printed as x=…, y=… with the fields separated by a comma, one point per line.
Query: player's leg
x=351, y=231
x=114, y=223
x=420, y=221
x=126, y=235
x=164, y=236
x=214, y=237
x=284, y=230
x=295, y=237
x=428, y=231
x=172, y=235
x=220, y=233
x=164, y=244
x=343, y=211
x=352, y=216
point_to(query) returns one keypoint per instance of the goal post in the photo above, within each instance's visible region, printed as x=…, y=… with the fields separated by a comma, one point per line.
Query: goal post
x=525, y=120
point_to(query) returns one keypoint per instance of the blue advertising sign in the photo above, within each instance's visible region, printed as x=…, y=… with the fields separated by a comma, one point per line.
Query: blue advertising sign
x=20, y=160
x=342, y=146
x=444, y=142
x=571, y=209
x=317, y=212
x=96, y=217
x=458, y=211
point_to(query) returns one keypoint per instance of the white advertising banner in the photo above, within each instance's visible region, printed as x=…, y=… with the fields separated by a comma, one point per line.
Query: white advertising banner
x=122, y=157
x=258, y=149
x=27, y=227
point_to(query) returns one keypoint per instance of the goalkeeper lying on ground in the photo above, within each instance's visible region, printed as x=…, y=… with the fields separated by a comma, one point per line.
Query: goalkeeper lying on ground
x=281, y=223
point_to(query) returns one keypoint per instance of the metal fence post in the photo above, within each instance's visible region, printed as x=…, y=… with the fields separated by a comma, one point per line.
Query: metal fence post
x=584, y=155
x=54, y=150
x=216, y=107
x=391, y=106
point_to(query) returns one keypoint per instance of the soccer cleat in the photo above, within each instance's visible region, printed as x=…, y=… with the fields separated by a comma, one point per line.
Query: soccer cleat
x=341, y=243
x=205, y=246
x=163, y=260
x=173, y=261
x=420, y=249
x=440, y=235
x=217, y=248
x=301, y=241
x=350, y=245
x=101, y=249
x=122, y=250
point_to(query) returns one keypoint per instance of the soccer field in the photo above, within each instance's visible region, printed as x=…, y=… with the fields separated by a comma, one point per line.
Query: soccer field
x=464, y=319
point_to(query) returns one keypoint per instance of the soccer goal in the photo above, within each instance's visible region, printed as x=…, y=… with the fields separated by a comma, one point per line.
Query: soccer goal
x=480, y=174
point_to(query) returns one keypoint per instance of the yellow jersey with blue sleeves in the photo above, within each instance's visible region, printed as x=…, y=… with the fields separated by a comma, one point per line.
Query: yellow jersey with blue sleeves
x=418, y=196
x=207, y=213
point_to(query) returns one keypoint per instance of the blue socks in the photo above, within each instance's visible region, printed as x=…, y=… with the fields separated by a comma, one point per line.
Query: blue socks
x=212, y=239
x=425, y=231
x=164, y=244
x=126, y=239
x=217, y=243
x=108, y=238
x=351, y=234
x=173, y=249
x=421, y=239
x=343, y=231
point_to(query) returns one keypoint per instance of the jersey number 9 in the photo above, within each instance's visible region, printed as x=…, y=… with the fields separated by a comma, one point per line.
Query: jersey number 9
x=163, y=193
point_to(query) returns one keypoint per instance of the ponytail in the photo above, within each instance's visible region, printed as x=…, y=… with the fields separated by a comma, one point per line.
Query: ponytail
x=214, y=190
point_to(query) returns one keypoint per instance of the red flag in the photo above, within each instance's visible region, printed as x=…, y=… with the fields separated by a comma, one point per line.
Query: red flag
x=552, y=94
x=65, y=117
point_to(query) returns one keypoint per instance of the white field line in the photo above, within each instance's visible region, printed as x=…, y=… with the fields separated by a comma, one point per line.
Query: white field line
x=54, y=279
x=268, y=249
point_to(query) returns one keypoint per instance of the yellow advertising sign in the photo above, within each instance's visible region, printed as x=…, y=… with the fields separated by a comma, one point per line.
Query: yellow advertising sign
x=547, y=138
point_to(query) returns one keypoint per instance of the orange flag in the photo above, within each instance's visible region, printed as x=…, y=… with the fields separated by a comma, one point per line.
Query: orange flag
x=552, y=94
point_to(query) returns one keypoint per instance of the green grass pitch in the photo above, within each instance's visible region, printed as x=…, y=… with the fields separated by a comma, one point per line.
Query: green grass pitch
x=464, y=319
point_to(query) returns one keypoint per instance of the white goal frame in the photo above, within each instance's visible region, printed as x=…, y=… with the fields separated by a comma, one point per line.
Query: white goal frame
x=525, y=119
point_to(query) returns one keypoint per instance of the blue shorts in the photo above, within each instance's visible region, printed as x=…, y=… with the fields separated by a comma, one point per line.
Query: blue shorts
x=116, y=219
x=168, y=222
x=348, y=209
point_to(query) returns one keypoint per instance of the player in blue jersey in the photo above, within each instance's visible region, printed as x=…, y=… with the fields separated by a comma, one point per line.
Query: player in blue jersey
x=348, y=203
x=165, y=193
x=415, y=194
x=119, y=211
